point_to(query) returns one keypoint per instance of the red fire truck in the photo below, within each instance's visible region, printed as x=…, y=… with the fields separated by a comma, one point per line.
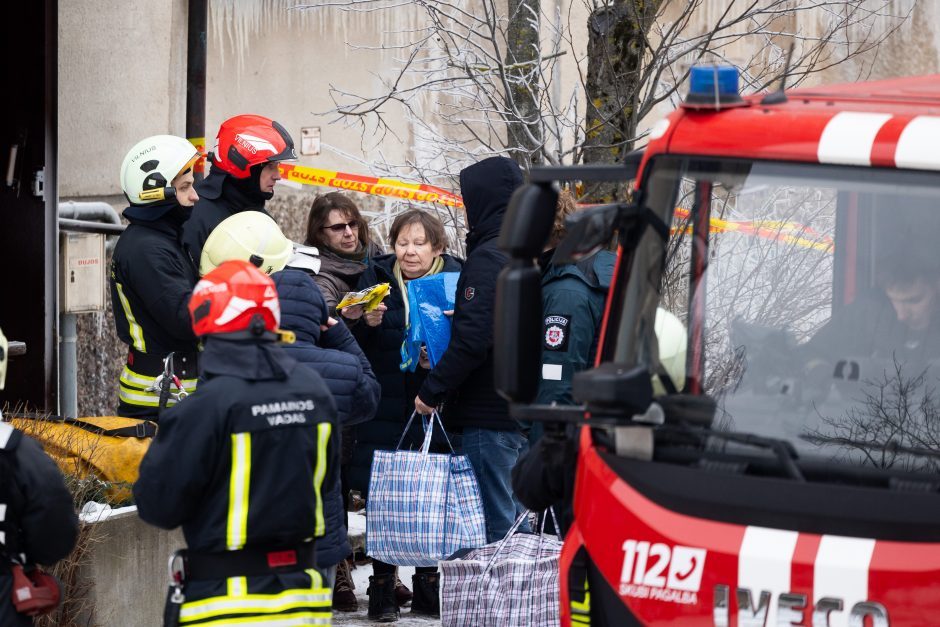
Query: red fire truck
x=788, y=475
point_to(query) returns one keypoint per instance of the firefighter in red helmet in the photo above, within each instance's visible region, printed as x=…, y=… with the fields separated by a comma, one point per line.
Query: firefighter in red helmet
x=241, y=464
x=244, y=171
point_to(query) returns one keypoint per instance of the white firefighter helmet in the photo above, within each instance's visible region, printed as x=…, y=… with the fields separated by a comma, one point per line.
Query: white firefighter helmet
x=4, y=356
x=305, y=258
x=152, y=164
x=248, y=235
x=672, y=338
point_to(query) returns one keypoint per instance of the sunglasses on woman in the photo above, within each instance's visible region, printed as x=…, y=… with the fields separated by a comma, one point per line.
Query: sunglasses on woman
x=341, y=227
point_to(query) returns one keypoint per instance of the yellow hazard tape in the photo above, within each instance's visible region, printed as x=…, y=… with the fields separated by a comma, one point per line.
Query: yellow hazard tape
x=391, y=188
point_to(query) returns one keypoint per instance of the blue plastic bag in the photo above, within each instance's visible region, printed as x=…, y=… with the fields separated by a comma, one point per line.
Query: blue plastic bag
x=428, y=298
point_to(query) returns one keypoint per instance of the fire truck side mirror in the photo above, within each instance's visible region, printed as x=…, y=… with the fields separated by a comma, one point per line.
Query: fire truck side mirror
x=518, y=332
x=589, y=231
x=614, y=387
x=529, y=220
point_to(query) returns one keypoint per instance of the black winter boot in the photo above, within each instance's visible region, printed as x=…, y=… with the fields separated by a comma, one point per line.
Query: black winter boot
x=426, y=588
x=382, y=605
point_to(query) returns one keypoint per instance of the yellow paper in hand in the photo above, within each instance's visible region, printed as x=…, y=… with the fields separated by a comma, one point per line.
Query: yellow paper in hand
x=369, y=298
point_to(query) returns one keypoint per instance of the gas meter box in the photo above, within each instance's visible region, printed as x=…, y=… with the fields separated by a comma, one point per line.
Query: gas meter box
x=82, y=275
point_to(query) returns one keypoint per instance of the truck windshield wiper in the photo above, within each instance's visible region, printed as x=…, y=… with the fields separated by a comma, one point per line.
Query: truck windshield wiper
x=891, y=446
x=782, y=449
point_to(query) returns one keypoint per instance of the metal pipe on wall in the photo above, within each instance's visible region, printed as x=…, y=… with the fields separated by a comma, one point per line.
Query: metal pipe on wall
x=198, y=21
x=68, y=365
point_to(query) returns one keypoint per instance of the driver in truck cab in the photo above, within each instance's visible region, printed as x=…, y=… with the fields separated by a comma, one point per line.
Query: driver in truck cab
x=900, y=319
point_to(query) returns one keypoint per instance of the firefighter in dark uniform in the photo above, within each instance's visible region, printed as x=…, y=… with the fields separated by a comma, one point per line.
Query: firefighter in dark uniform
x=151, y=274
x=37, y=518
x=241, y=464
x=244, y=172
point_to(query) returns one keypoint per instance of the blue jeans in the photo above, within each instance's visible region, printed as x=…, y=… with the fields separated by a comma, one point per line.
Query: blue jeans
x=492, y=455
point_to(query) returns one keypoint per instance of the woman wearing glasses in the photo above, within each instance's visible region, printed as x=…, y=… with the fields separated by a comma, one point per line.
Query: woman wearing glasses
x=341, y=234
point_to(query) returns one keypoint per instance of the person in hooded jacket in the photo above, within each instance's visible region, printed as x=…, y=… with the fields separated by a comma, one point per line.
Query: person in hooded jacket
x=151, y=274
x=341, y=236
x=419, y=240
x=244, y=464
x=39, y=518
x=244, y=171
x=491, y=439
x=327, y=347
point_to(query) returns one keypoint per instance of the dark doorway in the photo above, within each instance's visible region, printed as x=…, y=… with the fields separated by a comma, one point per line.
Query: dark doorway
x=28, y=200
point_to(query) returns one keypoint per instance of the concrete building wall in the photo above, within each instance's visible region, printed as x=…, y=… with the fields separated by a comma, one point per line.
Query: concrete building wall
x=122, y=73
x=121, y=78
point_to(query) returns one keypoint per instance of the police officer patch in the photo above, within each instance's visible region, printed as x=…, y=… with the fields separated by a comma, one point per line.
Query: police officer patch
x=557, y=329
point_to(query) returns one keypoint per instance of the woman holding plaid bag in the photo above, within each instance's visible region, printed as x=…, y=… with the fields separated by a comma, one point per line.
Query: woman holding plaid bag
x=419, y=240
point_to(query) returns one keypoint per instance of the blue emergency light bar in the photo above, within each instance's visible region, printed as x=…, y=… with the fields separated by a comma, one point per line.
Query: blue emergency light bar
x=713, y=87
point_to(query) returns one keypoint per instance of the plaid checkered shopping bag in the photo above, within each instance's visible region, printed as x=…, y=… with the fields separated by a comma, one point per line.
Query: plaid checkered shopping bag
x=422, y=506
x=510, y=583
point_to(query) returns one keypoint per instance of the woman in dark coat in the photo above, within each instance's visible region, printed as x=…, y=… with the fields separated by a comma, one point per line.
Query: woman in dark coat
x=419, y=240
x=341, y=235
x=330, y=350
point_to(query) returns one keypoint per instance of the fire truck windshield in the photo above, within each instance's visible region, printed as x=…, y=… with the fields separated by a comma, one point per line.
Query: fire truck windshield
x=811, y=299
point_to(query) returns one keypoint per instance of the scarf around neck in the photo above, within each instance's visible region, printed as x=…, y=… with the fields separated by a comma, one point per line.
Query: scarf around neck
x=436, y=266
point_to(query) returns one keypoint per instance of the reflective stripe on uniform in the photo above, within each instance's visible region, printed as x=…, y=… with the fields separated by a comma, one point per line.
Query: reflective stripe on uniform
x=265, y=608
x=133, y=396
x=135, y=389
x=142, y=382
x=6, y=430
x=581, y=610
x=237, y=528
x=137, y=333
x=237, y=586
x=319, y=473
x=274, y=620
x=270, y=604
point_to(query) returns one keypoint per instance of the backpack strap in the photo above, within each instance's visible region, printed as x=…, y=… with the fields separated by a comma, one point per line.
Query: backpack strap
x=143, y=429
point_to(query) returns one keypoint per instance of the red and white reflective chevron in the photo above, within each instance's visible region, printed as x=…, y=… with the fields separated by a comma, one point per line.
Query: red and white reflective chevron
x=880, y=124
x=673, y=569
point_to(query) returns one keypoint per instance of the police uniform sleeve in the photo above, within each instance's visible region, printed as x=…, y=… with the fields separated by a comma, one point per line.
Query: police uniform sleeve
x=176, y=470
x=169, y=285
x=49, y=525
x=472, y=327
x=568, y=330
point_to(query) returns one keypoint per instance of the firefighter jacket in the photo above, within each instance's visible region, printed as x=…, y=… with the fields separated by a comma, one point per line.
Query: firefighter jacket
x=464, y=375
x=219, y=198
x=151, y=281
x=242, y=464
x=335, y=356
x=573, y=297
x=37, y=517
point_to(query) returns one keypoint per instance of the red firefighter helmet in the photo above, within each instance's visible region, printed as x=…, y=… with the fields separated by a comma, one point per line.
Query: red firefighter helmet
x=230, y=298
x=248, y=140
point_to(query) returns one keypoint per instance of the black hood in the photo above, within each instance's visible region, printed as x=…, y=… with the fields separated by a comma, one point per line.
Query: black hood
x=240, y=193
x=486, y=188
x=248, y=359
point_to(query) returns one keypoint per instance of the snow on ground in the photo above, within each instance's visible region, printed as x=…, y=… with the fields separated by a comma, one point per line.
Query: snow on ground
x=361, y=577
x=357, y=528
